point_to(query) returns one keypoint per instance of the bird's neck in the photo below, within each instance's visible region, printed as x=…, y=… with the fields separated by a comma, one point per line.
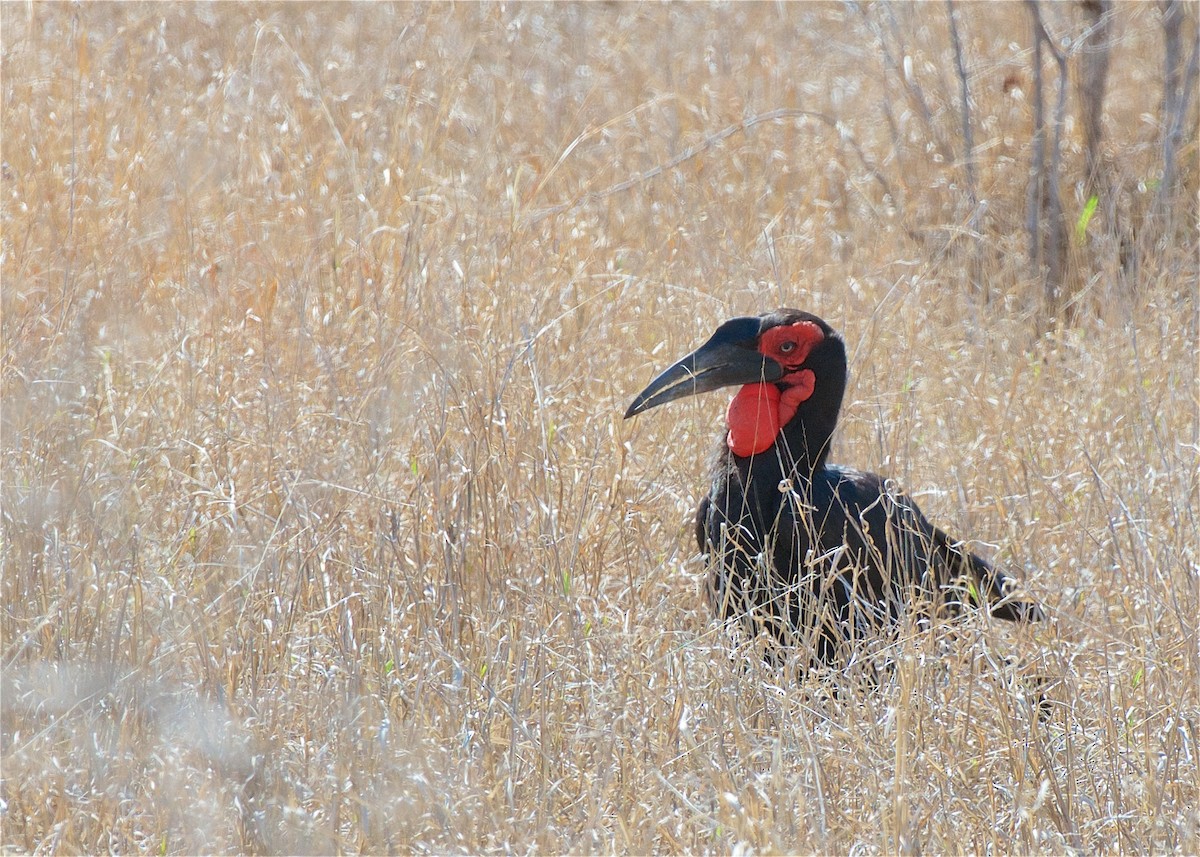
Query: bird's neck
x=804, y=444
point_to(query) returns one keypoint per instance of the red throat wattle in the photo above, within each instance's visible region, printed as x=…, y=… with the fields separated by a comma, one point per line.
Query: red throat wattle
x=760, y=411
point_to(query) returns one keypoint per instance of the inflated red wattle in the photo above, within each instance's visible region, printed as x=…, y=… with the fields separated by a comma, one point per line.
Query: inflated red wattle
x=753, y=419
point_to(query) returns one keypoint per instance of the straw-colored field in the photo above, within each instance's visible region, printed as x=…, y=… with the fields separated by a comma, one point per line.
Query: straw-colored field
x=322, y=531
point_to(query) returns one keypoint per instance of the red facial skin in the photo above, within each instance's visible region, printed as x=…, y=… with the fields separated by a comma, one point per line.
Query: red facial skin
x=759, y=411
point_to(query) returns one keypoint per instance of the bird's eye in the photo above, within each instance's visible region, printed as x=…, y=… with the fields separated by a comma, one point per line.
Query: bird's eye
x=786, y=347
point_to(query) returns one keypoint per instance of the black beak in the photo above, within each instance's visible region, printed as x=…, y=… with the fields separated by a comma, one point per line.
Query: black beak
x=713, y=365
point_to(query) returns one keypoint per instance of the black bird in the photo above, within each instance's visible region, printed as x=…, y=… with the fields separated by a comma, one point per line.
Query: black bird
x=820, y=557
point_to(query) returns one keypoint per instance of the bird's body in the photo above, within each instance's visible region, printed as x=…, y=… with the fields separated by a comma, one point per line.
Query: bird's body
x=819, y=557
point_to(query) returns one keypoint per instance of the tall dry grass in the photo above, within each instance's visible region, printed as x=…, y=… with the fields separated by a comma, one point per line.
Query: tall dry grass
x=321, y=528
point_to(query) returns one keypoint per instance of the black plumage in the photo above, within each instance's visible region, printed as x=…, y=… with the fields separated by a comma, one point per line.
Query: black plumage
x=818, y=556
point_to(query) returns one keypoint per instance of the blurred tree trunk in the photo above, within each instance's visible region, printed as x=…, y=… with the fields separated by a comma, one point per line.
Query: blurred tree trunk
x=1178, y=86
x=965, y=104
x=1044, y=222
x=1093, y=81
x=1116, y=232
x=979, y=281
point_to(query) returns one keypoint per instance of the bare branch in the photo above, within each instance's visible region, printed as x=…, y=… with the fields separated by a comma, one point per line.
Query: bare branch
x=710, y=141
x=916, y=95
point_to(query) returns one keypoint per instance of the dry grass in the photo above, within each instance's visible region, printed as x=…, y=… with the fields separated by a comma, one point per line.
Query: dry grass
x=321, y=529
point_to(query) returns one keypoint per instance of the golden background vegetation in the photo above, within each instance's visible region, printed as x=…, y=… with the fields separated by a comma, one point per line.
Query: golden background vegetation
x=321, y=527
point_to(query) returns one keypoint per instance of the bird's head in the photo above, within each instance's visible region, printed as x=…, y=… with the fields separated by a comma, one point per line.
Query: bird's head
x=791, y=367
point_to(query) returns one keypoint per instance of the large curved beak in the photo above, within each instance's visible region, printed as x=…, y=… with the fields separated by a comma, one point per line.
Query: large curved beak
x=711, y=366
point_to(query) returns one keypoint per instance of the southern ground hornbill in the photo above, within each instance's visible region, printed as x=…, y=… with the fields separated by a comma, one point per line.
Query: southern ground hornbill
x=818, y=556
